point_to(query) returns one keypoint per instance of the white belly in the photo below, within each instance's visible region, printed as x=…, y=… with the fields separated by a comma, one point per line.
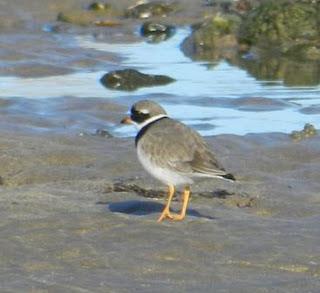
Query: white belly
x=164, y=175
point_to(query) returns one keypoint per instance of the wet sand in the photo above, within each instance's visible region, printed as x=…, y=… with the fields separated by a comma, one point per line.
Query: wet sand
x=78, y=213
x=66, y=226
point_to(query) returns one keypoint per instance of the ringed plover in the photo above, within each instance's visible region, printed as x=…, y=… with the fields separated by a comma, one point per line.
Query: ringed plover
x=172, y=152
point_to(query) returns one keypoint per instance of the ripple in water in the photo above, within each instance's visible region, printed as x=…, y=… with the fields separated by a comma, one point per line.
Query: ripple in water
x=214, y=98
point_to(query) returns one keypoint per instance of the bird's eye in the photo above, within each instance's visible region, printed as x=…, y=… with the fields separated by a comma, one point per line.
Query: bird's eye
x=139, y=116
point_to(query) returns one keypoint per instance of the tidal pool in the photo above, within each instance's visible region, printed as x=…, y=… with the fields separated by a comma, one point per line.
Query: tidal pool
x=214, y=97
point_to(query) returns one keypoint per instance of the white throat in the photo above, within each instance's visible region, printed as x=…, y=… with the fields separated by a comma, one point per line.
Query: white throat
x=151, y=119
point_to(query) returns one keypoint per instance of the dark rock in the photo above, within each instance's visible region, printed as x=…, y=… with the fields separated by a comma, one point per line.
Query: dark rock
x=214, y=39
x=131, y=79
x=271, y=43
x=284, y=27
x=146, y=10
x=157, y=32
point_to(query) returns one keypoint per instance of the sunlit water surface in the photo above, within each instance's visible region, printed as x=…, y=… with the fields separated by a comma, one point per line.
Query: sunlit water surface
x=201, y=96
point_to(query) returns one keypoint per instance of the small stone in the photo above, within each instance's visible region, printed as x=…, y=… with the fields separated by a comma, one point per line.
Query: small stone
x=308, y=127
x=103, y=133
x=296, y=135
x=157, y=32
x=99, y=6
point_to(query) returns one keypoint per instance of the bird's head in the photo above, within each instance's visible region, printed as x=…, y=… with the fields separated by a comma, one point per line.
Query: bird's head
x=143, y=113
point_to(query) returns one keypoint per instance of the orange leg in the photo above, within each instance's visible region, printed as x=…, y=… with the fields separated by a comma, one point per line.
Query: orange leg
x=186, y=195
x=166, y=211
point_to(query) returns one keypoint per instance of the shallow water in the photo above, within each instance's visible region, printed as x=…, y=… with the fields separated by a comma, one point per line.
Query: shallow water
x=214, y=98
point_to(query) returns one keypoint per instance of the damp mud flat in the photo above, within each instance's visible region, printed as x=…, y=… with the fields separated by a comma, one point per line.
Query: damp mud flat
x=78, y=214
x=77, y=211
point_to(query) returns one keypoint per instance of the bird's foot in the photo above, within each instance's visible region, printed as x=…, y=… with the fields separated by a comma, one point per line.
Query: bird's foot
x=165, y=215
x=173, y=217
x=178, y=217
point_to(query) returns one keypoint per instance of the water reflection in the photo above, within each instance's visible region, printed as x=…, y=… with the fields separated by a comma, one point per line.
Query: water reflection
x=260, y=64
x=235, y=96
x=292, y=73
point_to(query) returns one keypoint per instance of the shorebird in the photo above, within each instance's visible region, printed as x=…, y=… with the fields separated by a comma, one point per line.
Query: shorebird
x=172, y=152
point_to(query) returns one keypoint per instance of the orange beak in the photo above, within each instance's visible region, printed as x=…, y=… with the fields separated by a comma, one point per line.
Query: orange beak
x=126, y=120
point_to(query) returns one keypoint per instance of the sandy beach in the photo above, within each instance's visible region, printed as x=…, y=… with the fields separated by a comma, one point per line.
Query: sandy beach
x=78, y=213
